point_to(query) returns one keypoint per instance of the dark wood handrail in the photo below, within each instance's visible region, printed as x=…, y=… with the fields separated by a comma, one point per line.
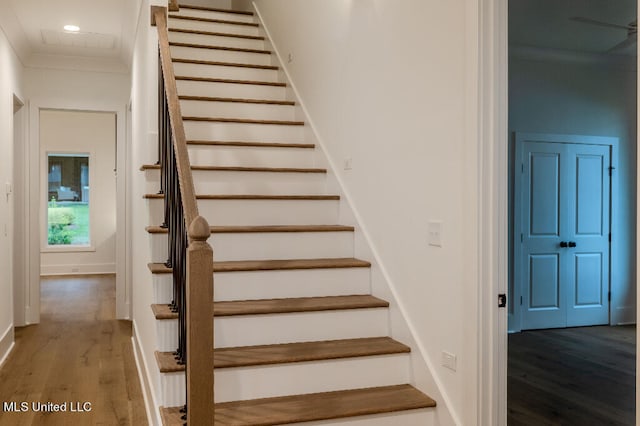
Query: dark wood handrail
x=190, y=256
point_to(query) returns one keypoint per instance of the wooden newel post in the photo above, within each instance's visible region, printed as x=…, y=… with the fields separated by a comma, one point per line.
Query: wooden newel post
x=199, y=293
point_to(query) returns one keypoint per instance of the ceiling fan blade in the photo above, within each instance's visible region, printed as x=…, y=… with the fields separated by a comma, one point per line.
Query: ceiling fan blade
x=622, y=46
x=599, y=23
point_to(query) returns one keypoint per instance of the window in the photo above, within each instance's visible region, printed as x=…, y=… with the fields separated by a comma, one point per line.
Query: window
x=68, y=200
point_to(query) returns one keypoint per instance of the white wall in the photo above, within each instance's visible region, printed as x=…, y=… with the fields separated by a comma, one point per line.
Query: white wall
x=597, y=98
x=143, y=150
x=83, y=132
x=11, y=84
x=387, y=85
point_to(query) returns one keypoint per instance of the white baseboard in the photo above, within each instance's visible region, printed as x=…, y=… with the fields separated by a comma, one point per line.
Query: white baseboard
x=150, y=401
x=7, y=342
x=96, y=268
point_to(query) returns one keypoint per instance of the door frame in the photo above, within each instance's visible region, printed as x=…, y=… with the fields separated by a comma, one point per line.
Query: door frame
x=20, y=253
x=491, y=112
x=123, y=285
x=519, y=138
x=492, y=198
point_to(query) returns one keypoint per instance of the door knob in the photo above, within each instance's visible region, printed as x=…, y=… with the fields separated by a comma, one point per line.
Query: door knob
x=572, y=244
x=564, y=244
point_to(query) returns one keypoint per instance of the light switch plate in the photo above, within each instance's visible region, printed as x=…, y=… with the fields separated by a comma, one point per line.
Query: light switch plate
x=434, y=233
x=449, y=360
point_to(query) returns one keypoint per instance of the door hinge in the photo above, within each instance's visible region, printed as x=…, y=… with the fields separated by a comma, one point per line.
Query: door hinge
x=502, y=300
x=611, y=169
x=520, y=300
x=521, y=167
x=609, y=296
x=609, y=236
x=521, y=238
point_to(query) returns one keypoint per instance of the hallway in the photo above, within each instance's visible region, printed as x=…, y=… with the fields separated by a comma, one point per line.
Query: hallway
x=78, y=354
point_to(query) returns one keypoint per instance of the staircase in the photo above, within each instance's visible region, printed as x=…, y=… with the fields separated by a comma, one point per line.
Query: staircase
x=298, y=336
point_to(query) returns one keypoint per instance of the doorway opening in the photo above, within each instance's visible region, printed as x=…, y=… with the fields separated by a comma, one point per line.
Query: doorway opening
x=572, y=208
x=77, y=192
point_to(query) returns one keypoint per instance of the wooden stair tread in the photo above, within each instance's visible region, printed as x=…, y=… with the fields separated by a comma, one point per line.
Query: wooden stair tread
x=297, y=304
x=215, y=47
x=230, y=81
x=282, y=306
x=224, y=64
x=245, y=169
x=236, y=100
x=273, y=265
x=291, y=352
x=215, y=9
x=264, y=229
x=215, y=33
x=167, y=362
x=163, y=312
x=243, y=121
x=213, y=21
x=252, y=197
x=313, y=407
x=252, y=144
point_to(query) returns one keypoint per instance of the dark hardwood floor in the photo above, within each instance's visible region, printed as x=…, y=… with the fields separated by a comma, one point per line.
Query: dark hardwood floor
x=574, y=376
x=78, y=353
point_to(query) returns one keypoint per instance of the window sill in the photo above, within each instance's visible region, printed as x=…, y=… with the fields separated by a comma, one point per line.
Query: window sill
x=67, y=249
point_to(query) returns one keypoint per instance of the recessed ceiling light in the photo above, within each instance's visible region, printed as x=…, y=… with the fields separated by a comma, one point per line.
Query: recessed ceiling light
x=72, y=28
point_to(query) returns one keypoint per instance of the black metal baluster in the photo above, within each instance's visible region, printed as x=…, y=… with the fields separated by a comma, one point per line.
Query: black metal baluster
x=174, y=220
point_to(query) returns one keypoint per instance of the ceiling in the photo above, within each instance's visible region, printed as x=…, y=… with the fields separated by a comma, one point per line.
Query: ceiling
x=35, y=29
x=546, y=24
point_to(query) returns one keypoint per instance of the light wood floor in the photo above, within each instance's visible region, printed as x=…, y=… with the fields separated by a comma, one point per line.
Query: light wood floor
x=79, y=353
x=575, y=376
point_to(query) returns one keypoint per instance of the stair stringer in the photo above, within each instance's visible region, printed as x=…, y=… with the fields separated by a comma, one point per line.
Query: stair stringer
x=422, y=366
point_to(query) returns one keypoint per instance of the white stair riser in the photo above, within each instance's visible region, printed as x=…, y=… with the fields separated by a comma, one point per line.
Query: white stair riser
x=248, y=330
x=226, y=72
x=233, y=384
x=243, y=183
x=220, y=55
x=198, y=130
x=210, y=14
x=250, y=156
x=259, y=183
x=172, y=389
x=310, y=377
x=237, y=110
x=300, y=327
x=272, y=245
x=243, y=43
x=167, y=335
x=231, y=90
x=254, y=285
x=213, y=27
x=162, y=288
x=420, y=417
x=259, y=212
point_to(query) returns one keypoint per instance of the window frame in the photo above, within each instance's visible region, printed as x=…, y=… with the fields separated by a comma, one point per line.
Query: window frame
x=44, y=168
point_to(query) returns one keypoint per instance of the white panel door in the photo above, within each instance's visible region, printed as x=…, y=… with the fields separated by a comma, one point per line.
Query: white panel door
x=544, y=219
x=588, y=233
x=564, y=254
